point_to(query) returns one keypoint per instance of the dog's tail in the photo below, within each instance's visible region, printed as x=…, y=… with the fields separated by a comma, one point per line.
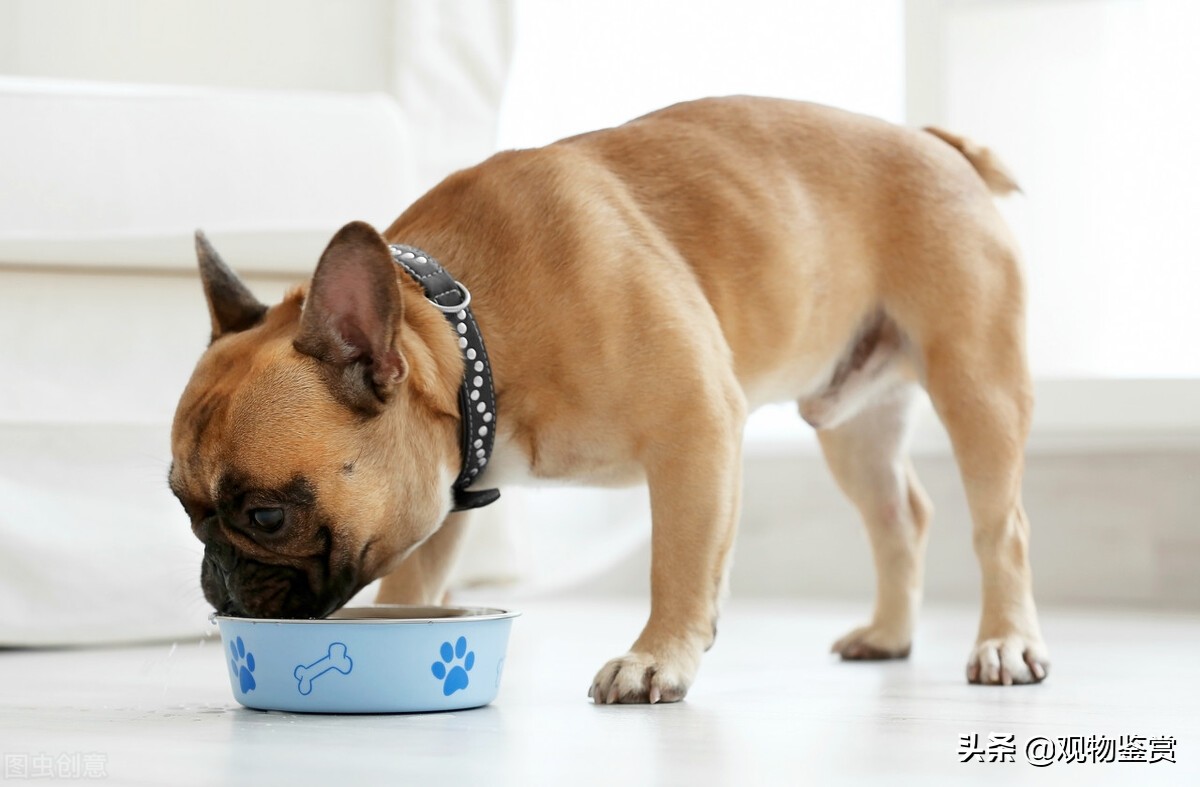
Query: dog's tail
x=985, y=162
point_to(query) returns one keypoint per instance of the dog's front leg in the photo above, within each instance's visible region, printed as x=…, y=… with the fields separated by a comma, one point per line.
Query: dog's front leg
x=421, y=578
x=695, y=493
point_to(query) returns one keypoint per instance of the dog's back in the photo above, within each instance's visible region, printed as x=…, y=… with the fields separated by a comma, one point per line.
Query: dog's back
x=773, y=208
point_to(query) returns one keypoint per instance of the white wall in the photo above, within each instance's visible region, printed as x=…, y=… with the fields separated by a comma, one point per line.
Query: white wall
x=589, y=64
x=1093, y=105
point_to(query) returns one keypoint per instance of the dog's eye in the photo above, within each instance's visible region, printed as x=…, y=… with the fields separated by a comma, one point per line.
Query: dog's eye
x=267, y=520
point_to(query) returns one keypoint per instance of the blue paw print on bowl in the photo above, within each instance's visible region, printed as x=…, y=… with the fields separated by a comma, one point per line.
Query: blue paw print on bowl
x=242, y=664
x=449, y=670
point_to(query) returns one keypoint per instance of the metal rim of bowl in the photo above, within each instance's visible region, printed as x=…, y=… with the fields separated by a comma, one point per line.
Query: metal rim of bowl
x=377, y=614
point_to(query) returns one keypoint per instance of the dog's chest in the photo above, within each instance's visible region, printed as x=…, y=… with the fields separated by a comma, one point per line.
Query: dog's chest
x=559, y=462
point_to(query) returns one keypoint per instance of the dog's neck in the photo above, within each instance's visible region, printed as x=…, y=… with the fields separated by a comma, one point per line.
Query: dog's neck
x=476, y=400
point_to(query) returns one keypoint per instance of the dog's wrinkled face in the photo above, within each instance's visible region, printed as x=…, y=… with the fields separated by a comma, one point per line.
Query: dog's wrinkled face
x=308, y=467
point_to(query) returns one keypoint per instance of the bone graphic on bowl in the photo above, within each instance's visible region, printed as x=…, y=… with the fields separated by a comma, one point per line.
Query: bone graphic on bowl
x=335, y=659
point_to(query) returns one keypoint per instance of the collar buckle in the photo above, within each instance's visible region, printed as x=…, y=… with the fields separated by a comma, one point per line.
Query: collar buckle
x=463, y=304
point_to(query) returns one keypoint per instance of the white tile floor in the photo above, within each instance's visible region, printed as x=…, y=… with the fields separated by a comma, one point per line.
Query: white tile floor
x=770, y=707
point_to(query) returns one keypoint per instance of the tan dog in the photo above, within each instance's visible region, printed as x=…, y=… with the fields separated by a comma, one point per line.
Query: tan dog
x=640, y=290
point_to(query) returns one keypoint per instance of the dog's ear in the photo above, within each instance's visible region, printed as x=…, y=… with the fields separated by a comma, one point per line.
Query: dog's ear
x=231, y=305
x=351, y=316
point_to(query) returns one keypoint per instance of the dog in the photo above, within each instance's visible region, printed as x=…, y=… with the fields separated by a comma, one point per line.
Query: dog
x=640, y=290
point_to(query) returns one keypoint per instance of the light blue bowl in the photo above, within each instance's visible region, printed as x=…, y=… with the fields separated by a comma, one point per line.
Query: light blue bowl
x=379, y=659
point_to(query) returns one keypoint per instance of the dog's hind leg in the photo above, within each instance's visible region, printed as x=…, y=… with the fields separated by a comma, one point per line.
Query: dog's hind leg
x=867, y=455
x=955, y=289
x=970, y=339
x=980, y=387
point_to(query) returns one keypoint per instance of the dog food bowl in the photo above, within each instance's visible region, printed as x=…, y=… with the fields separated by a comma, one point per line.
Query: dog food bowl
x=378, y=659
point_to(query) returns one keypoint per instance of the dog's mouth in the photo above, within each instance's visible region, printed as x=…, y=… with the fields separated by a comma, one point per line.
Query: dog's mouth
x=246, y=587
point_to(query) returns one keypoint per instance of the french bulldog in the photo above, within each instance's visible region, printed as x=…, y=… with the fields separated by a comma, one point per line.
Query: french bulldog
x=640, y=290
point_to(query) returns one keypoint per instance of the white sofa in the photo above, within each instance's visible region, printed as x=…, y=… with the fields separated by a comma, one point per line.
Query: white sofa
x=101, y=313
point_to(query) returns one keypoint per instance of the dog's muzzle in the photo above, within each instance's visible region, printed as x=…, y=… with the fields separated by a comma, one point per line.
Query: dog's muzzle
x=237, y=585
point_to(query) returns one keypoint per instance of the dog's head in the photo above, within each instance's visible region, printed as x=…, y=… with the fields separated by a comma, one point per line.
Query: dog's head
x=316, y=441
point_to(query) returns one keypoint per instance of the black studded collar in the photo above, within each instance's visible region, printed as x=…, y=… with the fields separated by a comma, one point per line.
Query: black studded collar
x=476, y=396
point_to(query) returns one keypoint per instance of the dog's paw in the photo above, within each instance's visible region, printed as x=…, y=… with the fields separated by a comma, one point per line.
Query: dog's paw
x=641, y=678
x=873, y=643
x=1008, y=660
